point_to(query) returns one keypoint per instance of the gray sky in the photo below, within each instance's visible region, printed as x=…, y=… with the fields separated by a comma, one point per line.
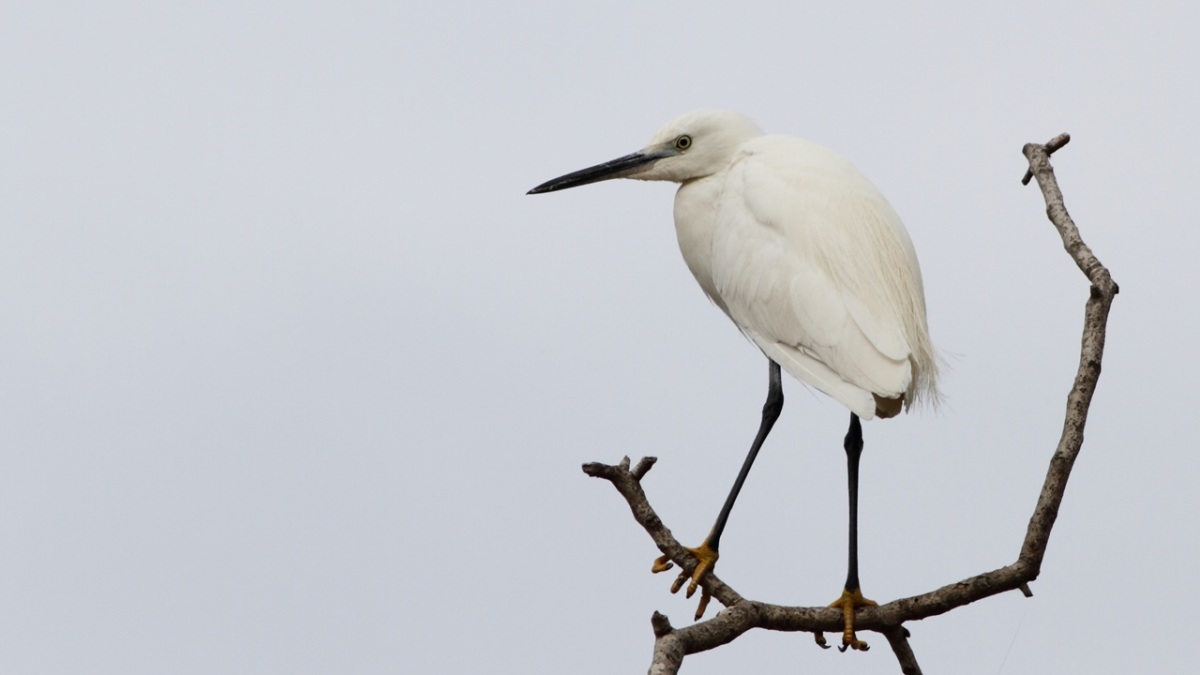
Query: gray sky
x=294, y=378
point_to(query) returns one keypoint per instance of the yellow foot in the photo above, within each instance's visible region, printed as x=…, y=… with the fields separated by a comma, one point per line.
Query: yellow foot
x=850, y=601
x=708, y=559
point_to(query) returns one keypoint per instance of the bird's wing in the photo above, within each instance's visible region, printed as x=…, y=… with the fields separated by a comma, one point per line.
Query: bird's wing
x=815, y=267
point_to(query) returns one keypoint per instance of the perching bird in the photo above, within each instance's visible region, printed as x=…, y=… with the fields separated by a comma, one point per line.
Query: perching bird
x=812, y=264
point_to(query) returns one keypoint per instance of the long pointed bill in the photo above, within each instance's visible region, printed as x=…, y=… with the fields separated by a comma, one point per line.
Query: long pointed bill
x=617, y=168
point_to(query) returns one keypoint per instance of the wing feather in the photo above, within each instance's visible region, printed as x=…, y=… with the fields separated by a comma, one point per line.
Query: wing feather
x=816, y=268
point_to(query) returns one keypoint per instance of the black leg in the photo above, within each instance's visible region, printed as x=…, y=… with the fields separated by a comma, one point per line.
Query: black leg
x=770, y=412
x=854, y=446
x=852, y=597
x=706, y=553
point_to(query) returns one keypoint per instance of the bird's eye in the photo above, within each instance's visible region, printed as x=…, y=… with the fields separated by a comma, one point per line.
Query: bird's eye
x=683, y=142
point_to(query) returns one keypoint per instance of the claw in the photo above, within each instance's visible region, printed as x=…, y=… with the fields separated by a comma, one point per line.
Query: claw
x=850, y=601
x=678, y=583
x=708, y=559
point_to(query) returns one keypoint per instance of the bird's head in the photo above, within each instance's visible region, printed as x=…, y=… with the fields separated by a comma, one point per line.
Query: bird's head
x=694, y=145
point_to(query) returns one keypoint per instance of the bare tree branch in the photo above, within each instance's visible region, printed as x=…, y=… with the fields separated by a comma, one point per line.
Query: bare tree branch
x=1050, y=147
x=671, y=645
x=898, y=638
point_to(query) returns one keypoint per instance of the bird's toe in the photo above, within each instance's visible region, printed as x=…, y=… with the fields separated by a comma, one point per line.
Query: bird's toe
x=707, y=557
x=848, y=603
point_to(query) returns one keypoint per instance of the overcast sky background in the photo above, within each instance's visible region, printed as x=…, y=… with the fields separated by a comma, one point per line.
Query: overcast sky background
x=294, y=378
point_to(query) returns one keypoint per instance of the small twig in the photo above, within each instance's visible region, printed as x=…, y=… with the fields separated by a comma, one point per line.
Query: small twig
x=1053, y=145
x=628, y=484
x=897, y=637
x=643, y=467
x=661, y=624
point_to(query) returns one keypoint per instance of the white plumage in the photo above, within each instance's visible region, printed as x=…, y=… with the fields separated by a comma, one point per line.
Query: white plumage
x=805, y=255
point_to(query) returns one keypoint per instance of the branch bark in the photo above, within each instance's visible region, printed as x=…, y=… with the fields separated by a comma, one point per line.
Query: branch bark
x=671, y=645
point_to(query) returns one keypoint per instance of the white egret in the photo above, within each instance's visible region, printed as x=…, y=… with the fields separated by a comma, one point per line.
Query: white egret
x=809, y=260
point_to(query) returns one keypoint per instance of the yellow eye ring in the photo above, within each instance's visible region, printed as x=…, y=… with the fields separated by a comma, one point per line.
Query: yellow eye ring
x=683, y=142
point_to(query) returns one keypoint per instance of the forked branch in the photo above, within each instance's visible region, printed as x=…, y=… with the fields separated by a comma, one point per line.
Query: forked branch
x=671, y=645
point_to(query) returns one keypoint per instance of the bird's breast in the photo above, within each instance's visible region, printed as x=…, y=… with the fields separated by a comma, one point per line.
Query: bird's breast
x=695, y=219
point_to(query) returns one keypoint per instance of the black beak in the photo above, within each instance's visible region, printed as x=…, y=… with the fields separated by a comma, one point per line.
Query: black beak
x=617, y=168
